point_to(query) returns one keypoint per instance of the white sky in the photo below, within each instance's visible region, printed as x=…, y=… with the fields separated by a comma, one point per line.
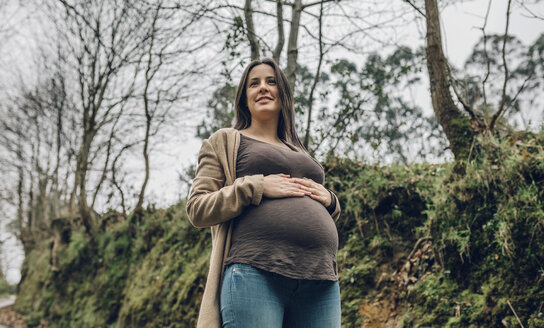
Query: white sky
x=461, y=29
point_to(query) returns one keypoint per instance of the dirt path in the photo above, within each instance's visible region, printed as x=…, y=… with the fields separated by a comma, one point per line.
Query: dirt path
x=11, y=319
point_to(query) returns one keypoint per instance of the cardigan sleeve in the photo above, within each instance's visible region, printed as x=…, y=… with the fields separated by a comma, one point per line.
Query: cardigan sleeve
x=334, y=208
x=332, y=205
x=210, y=201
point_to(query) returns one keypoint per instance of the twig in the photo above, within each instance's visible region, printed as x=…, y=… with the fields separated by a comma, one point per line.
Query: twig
x=485, y=52
x=471, y=147
x=520, y=89
x=416, y=8
x=376, y=222
x=315, y=3
x=466, y=106
x=503, y=97
x=417, y=245
x=533, y=15
x=316, y=79
x=512, y=308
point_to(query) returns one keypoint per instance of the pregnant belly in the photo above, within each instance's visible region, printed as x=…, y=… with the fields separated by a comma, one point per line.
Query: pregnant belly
x=299, y=222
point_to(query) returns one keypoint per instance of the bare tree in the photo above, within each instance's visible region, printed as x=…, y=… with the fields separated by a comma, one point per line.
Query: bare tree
x=116, y=51
x=116, y=74
x=456, y=126
x=309, y=20
x=462, y=127
x=158, y=99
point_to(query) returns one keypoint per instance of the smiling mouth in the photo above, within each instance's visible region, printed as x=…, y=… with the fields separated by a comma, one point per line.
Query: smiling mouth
x=264, y=98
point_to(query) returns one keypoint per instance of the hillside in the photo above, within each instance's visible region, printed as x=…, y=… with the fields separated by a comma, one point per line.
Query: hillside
x=420, y=246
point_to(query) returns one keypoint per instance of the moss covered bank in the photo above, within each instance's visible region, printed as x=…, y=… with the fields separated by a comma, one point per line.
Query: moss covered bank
x=420, y=246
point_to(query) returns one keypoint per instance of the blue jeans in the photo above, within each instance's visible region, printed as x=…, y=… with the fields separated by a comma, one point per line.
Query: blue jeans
x=254, y=298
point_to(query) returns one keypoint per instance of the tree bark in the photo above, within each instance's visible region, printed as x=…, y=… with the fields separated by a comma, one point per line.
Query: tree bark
x=281, y=34
x=292, y=50
x=456, y=126
x=81, y=173
x=251, y=35
x=149, y=74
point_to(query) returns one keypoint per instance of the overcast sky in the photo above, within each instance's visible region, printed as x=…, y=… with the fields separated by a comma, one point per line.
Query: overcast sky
x=461, y=29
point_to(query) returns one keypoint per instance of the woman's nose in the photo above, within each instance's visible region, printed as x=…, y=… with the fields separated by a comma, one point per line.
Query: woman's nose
x=263, y=87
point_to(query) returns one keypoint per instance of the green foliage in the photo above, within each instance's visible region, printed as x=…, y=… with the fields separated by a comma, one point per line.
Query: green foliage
x=220, y=111
x=425, y=245
x=383, y=214
x=372, y=111
x=487, y=224
x=147, y=274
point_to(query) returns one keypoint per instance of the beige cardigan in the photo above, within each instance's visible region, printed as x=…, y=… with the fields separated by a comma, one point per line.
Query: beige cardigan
x=216, y=197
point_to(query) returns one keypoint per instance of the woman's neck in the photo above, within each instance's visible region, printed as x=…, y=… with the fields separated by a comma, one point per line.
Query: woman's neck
x=266, y=131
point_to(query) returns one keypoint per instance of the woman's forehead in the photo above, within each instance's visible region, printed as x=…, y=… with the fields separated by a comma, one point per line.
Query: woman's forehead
x=261, y=70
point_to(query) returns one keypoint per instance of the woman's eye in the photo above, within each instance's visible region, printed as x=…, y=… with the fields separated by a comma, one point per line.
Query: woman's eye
x=272, y=81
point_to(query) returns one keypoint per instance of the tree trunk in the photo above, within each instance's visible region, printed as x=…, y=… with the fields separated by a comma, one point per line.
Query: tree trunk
x=251, y=35
x=456, y=126
x=292, y=50
x=81, y=173
x=281, y=34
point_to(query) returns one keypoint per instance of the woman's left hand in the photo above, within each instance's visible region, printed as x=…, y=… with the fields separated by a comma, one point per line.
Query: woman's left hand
x=318, y=192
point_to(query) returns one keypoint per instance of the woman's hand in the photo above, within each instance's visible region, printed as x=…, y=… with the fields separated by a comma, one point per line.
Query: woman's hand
x=282, y=185
x=316, y=190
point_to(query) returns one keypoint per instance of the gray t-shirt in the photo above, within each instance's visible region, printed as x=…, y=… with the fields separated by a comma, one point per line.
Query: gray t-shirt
x=294, y=236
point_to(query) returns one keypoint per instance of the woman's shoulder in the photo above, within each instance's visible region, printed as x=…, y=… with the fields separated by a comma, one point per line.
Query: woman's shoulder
x=223, y=132
x=223, y=136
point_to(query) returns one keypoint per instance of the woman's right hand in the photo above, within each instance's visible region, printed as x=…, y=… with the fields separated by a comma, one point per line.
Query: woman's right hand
x=281, y=185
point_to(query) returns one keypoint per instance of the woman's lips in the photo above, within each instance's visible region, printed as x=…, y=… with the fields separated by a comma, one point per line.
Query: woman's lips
x=264, y=99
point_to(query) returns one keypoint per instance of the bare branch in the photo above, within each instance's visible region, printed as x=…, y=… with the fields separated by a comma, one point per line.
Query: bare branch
x=531, y=13
x=316, y=79
x=485, y=53
x=520, y=90
x=315, y=3
x=463, y=102
x=415, y=7
x=148, y=115
x=503, y=97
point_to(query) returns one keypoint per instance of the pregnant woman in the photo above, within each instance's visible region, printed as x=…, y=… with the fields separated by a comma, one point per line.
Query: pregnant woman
x=273, y=261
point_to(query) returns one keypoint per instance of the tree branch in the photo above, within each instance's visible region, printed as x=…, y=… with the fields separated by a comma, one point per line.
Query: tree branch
x=503, y=97
x=415, y=7
x=485, y=53
x=316, y=79
x=465, y=104
x=317, y=3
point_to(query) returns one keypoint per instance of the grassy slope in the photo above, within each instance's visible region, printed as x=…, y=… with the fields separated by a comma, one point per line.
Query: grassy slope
x=420, y=246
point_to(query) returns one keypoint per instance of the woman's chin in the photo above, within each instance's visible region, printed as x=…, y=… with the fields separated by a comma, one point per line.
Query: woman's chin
x=265, y=113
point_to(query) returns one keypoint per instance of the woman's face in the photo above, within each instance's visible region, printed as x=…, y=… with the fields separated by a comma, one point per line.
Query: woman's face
x=262, y=93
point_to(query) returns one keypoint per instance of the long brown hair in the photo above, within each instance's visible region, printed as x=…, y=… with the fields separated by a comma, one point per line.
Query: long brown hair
x=286, y=123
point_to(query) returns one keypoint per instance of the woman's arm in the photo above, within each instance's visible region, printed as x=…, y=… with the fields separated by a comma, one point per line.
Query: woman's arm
x=210, y=201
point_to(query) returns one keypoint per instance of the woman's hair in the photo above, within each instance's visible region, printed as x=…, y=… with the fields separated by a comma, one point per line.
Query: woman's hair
x=286, y=122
